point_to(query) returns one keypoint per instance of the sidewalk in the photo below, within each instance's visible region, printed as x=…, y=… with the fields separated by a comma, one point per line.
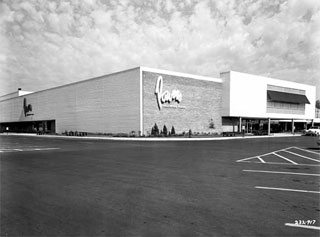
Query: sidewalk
x=152, y=138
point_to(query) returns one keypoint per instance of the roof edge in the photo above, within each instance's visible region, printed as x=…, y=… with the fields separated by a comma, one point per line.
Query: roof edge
x=180, y=74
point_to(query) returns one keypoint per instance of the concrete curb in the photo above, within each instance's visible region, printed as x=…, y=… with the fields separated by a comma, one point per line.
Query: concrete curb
x=147, y=139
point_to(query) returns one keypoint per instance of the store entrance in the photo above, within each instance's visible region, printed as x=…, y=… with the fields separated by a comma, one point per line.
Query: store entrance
x=43, y=127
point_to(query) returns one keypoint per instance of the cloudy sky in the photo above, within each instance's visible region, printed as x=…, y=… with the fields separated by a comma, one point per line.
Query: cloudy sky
x=50, y=43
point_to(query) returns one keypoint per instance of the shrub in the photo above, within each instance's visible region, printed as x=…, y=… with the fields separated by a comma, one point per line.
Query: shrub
x=132, y=134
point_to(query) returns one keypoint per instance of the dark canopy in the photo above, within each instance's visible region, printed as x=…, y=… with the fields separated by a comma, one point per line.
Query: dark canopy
x=278, y=96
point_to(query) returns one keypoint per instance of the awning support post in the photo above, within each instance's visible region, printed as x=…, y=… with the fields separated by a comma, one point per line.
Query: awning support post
x=269, y=126
x=292, y=126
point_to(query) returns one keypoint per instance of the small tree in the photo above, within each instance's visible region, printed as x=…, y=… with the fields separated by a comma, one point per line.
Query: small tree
x=318, y=104
x=211, y=124
x=165, y=130
x=317, y=107
x=173, y=132
x=155, y=130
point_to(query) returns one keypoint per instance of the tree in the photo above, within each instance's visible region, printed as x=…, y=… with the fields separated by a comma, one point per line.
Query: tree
x=155, y=130
x=173, y=132
x=318, y=104
x=317, y=107
x=211, y=124
x=165, y=130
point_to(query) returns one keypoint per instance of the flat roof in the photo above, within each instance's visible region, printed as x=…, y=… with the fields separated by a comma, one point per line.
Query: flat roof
x=180, y=74
x=142, y=68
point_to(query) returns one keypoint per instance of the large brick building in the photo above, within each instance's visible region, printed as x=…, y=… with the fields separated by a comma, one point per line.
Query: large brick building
x=136, y=99
x=131, y=100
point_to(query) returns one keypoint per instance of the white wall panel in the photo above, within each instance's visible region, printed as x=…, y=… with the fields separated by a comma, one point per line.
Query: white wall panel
x=248, y=96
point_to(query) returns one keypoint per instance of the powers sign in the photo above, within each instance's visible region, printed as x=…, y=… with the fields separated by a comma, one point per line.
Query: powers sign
x=165, y=98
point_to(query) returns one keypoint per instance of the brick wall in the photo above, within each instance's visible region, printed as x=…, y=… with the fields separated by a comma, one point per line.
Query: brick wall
x=201, y=101
x=108, y=104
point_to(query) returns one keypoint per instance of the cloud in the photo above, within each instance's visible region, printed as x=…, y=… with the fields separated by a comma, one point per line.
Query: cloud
x=49, y=43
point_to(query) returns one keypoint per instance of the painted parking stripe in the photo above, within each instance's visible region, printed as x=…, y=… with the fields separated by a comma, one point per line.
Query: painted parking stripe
x=282, y=157
x=278, y=163
x=246, y=159
x=306, y=157
x=29, y=149
x=266, y=154
x=279, y=172
x=262, y=161
x=298, y=148
x=303, y=226
x=250, y=158
x=287, y=189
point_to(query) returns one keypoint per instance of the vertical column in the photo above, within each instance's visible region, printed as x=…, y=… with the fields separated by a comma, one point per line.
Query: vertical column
x=269, y=126
x=240, y=125
x=292, y=126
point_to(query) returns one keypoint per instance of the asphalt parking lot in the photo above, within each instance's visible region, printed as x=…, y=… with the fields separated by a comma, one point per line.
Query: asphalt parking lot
x=79, y=187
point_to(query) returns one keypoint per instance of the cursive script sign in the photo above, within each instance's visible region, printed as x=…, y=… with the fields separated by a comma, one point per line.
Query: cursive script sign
x=166, y=96
x=26, y=108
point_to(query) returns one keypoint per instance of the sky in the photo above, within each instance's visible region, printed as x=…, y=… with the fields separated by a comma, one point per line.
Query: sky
x=44, y=44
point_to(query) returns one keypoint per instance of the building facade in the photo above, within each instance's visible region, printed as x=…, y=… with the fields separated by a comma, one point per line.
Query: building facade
x=260, y=103
x=136, y=99
x=128, y=101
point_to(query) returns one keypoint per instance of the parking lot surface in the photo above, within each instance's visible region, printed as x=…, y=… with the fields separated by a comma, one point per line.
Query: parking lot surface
x=243, y=187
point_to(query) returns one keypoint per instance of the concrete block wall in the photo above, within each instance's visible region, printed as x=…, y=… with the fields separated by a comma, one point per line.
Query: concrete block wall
x=201, y=100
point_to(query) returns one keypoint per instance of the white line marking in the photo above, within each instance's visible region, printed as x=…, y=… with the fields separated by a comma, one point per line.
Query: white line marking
x=278, y=172
x=269, y=153
x=285, y=158
x=28, y=149
x=303, y=226
x=247, y=159
x=262, y=161
x=306, y=157
x=278, y=163
x=250, y=158
x=307, y=150
x=286, y=189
